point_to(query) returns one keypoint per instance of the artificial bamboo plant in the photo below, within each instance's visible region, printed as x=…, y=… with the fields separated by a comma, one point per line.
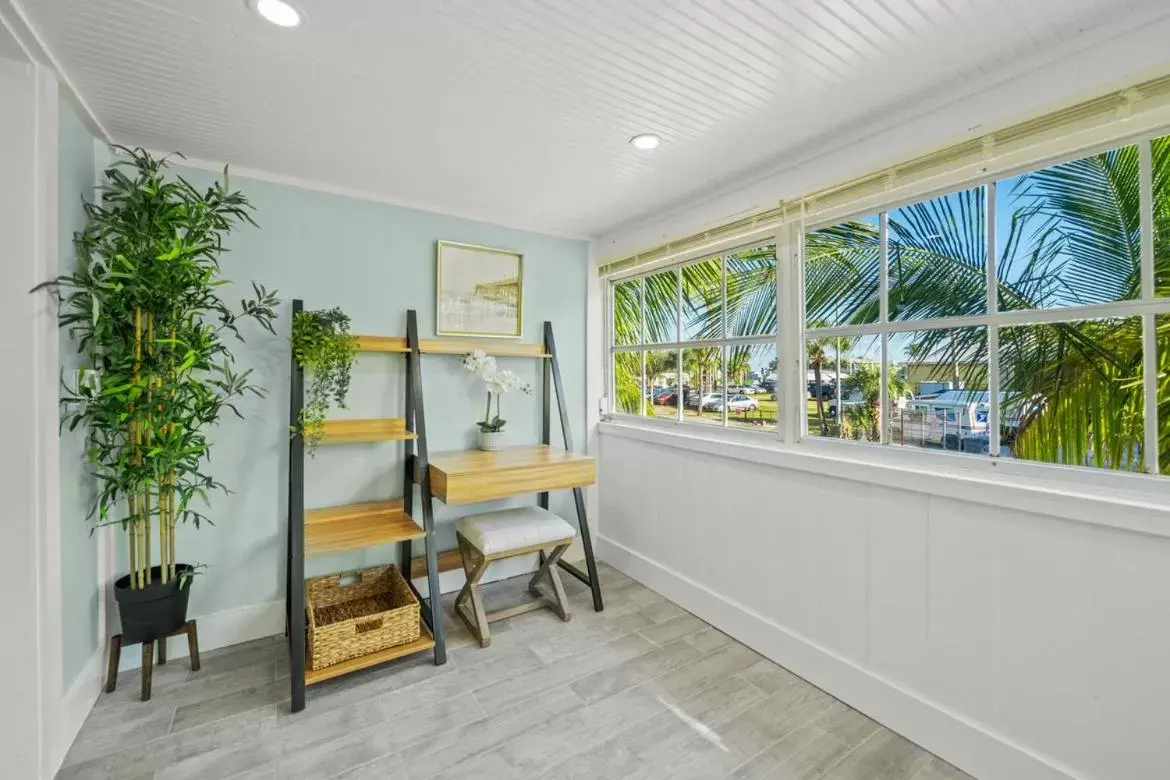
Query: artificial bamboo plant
x=144, y=310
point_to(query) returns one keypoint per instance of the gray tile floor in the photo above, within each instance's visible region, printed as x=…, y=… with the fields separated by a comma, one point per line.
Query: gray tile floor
x=641, y=690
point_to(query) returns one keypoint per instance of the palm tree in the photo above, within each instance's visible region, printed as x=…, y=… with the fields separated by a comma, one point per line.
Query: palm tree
x=739, y=364
x=866, y=382
x=817, y=359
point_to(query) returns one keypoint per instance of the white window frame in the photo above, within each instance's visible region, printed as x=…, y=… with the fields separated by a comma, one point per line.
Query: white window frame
x=679, y=345
x=792, y=334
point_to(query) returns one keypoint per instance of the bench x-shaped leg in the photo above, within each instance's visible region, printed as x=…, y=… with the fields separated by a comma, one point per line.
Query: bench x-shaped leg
x=474, y=566
x=549, y=570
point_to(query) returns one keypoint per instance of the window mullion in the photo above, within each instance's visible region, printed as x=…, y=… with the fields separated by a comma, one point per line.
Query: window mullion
x=642, y=310
x=642, y=388
x=1149, y=321
x=784, y=285
x=609, y=365
x=883, y=317
x=993, y=429
x=678, y=396
x=723, y=351
x=798, y=318
x=1146, y=201
x=884, y=267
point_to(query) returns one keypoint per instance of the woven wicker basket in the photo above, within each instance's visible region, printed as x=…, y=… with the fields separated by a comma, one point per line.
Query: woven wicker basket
x=358, y=613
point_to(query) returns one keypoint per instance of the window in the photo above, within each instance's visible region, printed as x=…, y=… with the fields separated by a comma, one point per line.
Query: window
x=1070, y=235
x=703, y=388
x=1073, y=393
x=662, y=383
x=702, y=300
x=751, y=387
x=627, y=319
x=1162, y=406
x=1023, y=316
x=1160, y=185
x=707, y=351
x=661, y=312
x=843, y=380
x=751, y=292
x=938, y=394
x=841, y=273
x=938, y=257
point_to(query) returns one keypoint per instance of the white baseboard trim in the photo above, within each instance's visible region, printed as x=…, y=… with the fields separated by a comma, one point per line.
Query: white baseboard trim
x=221, y=629
x=968, y=745
x=78, y=701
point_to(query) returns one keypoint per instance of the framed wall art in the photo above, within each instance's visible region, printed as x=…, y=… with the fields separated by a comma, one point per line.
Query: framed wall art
x=479, y=291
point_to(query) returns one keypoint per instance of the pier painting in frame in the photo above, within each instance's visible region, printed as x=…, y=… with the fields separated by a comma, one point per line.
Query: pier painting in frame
x=479, y=291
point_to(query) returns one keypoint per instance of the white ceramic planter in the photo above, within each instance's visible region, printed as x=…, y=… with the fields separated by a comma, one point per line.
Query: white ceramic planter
x=489, y=441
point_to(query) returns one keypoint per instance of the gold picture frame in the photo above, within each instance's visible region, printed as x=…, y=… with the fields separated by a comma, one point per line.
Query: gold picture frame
x=479, y=291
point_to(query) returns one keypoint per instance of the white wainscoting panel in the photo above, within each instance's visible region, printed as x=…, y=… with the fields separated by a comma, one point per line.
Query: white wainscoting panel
x=1014, y=644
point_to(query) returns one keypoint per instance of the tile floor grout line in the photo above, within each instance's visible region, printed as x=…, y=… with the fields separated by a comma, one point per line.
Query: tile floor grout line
x=808, y=724
x=833, y=766
x=397, y=754
x=647, y=681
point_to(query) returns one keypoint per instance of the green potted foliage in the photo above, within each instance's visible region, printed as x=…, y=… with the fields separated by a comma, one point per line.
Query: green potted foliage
x=323, y=346
x=144, y=310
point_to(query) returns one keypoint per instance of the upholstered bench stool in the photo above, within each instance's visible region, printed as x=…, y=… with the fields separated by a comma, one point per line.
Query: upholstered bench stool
x=506, y=533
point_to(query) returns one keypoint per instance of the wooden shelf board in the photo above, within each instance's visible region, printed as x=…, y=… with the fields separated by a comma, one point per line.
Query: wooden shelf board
x=452, y=346
x=471, y=476
x=355, y=526
x=357, y=431
x=381, y=344
x=424, y=642
x=449, y=560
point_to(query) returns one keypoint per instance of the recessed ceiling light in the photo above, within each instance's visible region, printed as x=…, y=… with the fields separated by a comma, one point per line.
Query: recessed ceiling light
x=645, y=141
x=278, y=12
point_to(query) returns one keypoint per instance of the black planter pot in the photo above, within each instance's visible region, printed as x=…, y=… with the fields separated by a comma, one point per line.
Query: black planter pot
x=155, y=611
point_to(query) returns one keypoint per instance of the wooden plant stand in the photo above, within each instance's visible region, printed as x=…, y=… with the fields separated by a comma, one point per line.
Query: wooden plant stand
x=189, y=628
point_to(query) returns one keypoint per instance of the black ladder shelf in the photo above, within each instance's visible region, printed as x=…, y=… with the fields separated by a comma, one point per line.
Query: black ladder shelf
x=387, y=522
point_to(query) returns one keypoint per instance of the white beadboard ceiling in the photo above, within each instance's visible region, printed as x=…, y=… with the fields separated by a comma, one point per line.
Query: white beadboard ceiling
x=519, y=111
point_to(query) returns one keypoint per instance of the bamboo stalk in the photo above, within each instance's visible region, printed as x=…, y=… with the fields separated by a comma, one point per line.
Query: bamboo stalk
x=163, y=547
x=170, y=475
x=131, y=536
x=136, y=579
x=149, y=442
x=171, y=518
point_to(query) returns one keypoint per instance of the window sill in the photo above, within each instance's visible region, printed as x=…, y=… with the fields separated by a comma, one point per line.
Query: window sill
x=1066, y=493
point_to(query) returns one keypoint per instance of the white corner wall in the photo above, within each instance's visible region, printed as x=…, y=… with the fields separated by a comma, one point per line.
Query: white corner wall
x=32, y=734
x=1014, y=644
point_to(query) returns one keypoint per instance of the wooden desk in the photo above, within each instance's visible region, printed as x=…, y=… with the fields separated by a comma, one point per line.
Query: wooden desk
x=477, y=475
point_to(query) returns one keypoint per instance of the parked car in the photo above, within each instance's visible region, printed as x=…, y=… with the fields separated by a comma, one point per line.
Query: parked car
x=828, y=391
x=668, y=397
x=954, y=419
x=711, y=400
x=737, y=403
x=740, y=389
x=852, y=400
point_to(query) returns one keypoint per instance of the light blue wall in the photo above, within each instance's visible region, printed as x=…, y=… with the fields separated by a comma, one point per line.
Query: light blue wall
x=374, y=261
x=79, y=594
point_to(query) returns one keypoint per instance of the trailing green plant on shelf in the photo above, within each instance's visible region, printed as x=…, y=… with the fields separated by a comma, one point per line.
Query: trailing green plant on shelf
x=322, y=346
x=158, y=370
